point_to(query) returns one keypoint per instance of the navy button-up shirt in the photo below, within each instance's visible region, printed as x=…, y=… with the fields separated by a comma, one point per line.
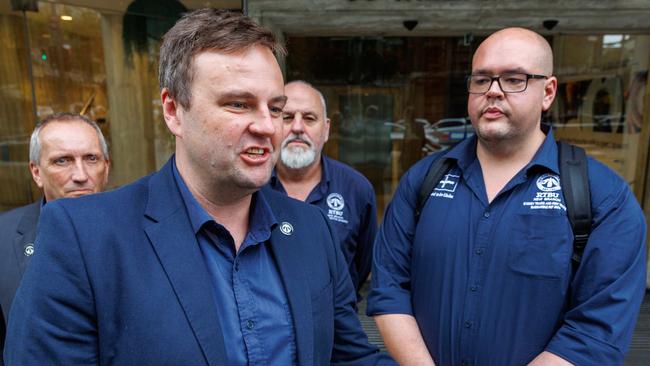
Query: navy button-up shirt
x=492, y=284
x=253, y=310
x=348, y=200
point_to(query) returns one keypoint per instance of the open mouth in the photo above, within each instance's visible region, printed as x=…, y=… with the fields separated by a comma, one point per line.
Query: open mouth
x=255, y=151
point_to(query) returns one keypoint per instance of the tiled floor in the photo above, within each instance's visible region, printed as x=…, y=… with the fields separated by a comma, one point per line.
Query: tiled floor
x=638, y=355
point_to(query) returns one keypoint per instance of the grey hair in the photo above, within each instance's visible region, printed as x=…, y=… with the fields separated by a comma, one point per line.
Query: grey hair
x=35, y=143
x=320, y=94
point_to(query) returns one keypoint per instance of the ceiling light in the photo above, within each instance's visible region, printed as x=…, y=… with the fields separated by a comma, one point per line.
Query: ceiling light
x=66, y=17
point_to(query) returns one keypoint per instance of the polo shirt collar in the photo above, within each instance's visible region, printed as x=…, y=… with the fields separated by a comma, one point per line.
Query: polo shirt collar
x=321, y=187
x=546, y=156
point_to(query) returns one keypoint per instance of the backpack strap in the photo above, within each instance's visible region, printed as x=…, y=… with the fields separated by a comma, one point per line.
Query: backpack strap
x=575, y=186
x=439, y=167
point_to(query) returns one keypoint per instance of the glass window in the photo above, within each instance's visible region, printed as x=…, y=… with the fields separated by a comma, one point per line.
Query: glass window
x=100, y=60
x=392, y=100
x=601, y=99
x=395, y=99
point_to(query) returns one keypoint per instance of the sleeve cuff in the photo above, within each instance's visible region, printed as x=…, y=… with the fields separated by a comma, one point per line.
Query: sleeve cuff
x=389, y=301
x=582, y=349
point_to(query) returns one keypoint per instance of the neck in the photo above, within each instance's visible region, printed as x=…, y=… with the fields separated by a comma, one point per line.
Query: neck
x=229, y=206
x=502, y=160
x=300, y=182
x=234, y=216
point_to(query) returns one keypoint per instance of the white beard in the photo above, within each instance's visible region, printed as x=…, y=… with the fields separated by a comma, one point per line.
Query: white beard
x=296, y=157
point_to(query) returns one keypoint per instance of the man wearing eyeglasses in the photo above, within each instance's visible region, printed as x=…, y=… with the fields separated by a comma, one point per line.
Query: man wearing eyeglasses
x=484, y=276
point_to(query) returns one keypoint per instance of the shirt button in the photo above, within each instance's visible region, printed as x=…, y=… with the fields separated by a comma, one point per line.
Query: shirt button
x=463, y=363
x=468, y=324
x=486, y=214
x=479, y=251
x=250, y=324
x=473, y=288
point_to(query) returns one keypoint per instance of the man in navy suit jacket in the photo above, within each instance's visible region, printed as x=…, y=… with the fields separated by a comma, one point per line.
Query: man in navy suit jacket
x=68, y=157
x=192, y=265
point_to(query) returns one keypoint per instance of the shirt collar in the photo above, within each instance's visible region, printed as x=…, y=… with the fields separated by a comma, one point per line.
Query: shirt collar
x=546, y=156
x=275, y=181
x=261, y=219
x=325, y=169
x=325, y=177
x=464, y=153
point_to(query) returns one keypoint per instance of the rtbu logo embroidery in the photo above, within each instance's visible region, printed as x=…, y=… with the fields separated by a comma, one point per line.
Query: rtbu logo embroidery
x=335, y=201
x=548, y=197
x=336, y=204
x=548, y=183
x=286, y=228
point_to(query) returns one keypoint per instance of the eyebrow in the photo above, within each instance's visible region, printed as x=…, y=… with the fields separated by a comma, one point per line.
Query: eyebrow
x=278, y=99
x=236, y=95
x=304, y=112
x=249, y=95
x=518, y=70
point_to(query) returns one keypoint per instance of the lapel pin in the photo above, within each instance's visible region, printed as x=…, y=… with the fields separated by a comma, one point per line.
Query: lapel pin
x=286, y=228
x=29, y=249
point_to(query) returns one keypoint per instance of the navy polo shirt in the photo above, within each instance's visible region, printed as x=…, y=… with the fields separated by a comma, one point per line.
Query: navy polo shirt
x=492, y=284
x=348, y=200
x=252, y=305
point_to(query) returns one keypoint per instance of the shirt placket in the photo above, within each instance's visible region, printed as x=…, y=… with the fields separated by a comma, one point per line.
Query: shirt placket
x=475, y=280
x=247, y=310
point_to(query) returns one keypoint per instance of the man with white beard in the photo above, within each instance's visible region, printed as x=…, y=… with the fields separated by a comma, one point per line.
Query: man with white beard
x=302, y=172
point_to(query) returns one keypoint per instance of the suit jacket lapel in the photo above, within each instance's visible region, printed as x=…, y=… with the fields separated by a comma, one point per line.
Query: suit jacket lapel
x=25, y=234
x=174, y=241
x=290, y=265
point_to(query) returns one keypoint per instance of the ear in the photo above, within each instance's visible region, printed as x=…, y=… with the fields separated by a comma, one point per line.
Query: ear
x=327, y=130
x=36, y=174
x=171, y=113
x=107, y=171
x=550, y=89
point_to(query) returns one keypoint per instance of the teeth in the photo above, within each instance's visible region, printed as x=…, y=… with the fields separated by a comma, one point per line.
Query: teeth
x=256, y=151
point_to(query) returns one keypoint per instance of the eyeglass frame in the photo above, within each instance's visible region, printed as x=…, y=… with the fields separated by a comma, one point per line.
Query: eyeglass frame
x=498, y=77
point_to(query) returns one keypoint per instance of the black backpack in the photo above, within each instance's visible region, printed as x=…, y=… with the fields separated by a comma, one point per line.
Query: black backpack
x=573, y=180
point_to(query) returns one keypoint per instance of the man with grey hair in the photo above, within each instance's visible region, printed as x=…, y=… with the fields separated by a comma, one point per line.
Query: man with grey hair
x=68, y=157
x=304, y=173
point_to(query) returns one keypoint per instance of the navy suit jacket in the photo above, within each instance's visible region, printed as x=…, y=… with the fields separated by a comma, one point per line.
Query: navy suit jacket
x=119, y=279
x=17, y=231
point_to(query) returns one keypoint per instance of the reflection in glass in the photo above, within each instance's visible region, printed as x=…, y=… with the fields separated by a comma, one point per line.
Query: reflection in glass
x=600, y=99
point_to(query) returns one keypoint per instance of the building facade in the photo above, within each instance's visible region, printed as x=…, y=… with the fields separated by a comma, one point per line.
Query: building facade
x=393, y=72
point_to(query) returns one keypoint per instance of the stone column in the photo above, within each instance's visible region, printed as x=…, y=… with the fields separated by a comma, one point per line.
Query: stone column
x=131, y=117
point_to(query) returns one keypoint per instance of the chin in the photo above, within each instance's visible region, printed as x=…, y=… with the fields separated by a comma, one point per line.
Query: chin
x=493, y=131
x=254, y=181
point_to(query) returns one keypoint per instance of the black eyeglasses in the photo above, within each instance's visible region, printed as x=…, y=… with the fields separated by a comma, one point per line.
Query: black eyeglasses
x=509, y=83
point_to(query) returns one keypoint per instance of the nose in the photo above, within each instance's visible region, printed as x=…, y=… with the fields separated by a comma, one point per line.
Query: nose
x=495, y=89
x=79, y=173
x=297, y=124
x=265, y=123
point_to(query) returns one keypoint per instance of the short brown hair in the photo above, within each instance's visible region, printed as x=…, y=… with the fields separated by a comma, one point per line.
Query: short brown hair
x=203, y=30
